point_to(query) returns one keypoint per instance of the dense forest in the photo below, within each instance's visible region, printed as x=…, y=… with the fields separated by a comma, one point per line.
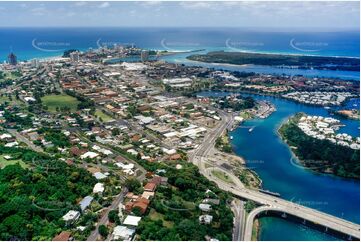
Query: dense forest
x=322, y=155
x=32, y=201
x=302, y=61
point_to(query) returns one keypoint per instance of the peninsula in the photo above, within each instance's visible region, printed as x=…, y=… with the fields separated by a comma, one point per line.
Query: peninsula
x=283, y=61
x=314, y=141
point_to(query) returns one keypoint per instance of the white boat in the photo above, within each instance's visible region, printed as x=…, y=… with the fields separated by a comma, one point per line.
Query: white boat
x=231, y=137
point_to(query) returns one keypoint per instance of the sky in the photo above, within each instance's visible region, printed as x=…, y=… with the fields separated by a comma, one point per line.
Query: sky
x=273, y=15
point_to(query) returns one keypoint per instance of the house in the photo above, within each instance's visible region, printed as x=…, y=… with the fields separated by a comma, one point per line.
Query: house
x=148, y=195
x=205, y=219
x=99, y=175
x=141, y=206
x=5, y=136
x=89, y=154
x=164, y=181
x=132, y=220
x=141, y=202
x=150, y=187
x=205, y=207
x=11, y=144
x=71, y=217
x=175, y=157
x=75, y=151
x=156, y=180
x=33, y=136
x=169, y=151
x=63, y=236
x=98, y=188
x=84, y=204
x=123, y=233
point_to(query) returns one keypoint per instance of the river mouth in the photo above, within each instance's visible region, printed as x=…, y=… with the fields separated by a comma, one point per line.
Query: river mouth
x=270, y=157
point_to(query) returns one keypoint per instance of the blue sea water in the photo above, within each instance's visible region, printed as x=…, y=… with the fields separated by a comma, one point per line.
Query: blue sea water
x=262, y=148
x=29, y=43
x=271, y=159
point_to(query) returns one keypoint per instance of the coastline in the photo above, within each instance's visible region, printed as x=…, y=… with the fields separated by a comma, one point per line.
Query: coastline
x=300, y=163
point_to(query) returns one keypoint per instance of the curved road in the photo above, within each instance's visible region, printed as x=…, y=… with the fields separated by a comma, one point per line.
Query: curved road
x=199, y=158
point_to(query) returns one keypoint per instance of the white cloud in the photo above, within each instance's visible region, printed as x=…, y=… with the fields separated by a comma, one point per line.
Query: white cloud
x=151, y=3
x=39, y=11
x=197, y=5
x=80, y=4
x=104, y=5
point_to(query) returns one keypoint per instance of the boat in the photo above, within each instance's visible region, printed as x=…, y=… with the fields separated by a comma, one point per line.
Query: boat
x=251, y=129
x=231, y=137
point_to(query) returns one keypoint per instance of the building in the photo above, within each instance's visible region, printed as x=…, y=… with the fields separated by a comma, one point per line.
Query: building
x=84, y=204
x=150, y=187
x=12, y=59
x=35, y=63
x=144, y=55
x=205, y=219
x=63, y=236
x=141, y=203
x=123, y=233
x=205, y=207
x=98, y=188
x=71, y=216
x=132, y=220
x=74, y=56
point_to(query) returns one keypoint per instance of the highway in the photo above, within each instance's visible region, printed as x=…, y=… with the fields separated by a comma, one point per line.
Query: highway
x=199, y=158
x=239, y=219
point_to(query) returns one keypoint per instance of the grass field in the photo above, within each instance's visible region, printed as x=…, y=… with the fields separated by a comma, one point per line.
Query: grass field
x=221, y=175
x=62, y=100
x=4, y=162
x=105, y=117
x=14, y=101
x=154, y=215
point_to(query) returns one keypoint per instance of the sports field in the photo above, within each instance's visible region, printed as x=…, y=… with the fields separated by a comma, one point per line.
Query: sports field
x=62, y=100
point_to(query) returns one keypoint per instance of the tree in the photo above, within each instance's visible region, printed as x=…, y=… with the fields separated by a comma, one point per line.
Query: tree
x=133, y=184
x=249, y=206
x=103, y=231
x=113, y=217
x=137, y=211
x=92, y=138
x=115, y=132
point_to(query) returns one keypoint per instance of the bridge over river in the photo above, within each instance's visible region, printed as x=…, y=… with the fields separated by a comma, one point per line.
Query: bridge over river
x=269, y=202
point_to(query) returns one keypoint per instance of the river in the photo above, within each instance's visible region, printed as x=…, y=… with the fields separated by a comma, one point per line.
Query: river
x=270, y=157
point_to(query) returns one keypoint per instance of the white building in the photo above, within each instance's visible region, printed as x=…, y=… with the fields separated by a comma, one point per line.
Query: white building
x=123, y=233
x=98, y=188
x=132, y=220
x=205, y=219
x=71, y=216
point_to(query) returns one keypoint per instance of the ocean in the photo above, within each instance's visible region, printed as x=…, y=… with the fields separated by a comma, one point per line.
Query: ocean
x=28, y=43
